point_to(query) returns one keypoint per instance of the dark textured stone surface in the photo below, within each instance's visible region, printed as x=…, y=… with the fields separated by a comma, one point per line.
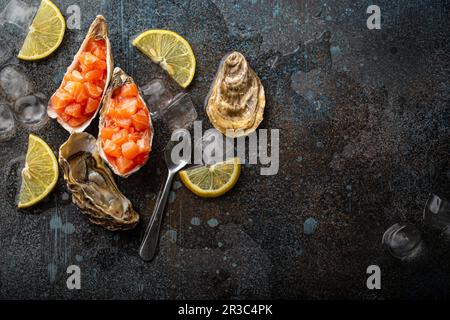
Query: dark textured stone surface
x=363, y=118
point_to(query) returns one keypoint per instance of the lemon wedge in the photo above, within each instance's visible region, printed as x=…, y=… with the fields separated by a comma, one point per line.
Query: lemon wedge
x=212, y=181
x=45, y=34
x=171, y=51
x=40, y=174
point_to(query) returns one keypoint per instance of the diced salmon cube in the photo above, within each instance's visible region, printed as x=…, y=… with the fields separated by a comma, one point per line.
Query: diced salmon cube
x=123, y=122
x=100, y=53
x=127, y=108
x=100, y=64
x=93, y=90
x=112, y=149
x=124, y=165
x=76, y=122
x=130, y=150
x=88, y=59
x=75, y=75
x=65, y=116
x=133, y=136
x=107, y=133
x=144, y=146
x=140, y=159
x=91, y=105
x=93, y=75
x=60, y=99
x=140, y=121
x=74, y=110
x=129, y=90
x=120, y=137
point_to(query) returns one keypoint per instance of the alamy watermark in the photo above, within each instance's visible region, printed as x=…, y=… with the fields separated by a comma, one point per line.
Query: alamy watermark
x=211, y=146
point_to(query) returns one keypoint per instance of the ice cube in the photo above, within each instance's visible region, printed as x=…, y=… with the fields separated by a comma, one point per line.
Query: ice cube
x=157, y=95
x=180, y=113
x=7, y=127
x=18, y=13
x=14, y=83
x=6, y=51
x=31, y=110
x=213, y=147
x=403, y=241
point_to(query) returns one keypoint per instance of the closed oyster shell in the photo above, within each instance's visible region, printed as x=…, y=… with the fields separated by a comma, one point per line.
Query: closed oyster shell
x=98, y=30
x=92, y=184
x=235, y=104
x=119, y=78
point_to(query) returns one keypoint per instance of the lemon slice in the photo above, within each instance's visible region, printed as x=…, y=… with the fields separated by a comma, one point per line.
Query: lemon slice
x=40, y=173
x=171, y=51
x=212, y=181
x=45, y=34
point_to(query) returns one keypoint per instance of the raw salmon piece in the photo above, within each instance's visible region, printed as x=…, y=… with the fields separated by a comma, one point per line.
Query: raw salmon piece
x=130, y=150
x=91, y=105
x=74, y=110
x=120, y=137
x=60, y=99
x=123, y=122
x=127, y=108
x=112, y=149
x=143, y=145
x=124, y=164
x=129, y=90
x=93, y=75
x=107, y=133
x=140, y=121
x=76, y=122
x=93, y=90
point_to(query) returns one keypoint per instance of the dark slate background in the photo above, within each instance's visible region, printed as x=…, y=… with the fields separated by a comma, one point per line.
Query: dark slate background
x=363, y=118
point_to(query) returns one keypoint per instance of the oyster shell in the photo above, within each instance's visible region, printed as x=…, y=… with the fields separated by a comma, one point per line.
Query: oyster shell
x=120, y=78
x=235, y=104
x=98, y=30
x=92, y=185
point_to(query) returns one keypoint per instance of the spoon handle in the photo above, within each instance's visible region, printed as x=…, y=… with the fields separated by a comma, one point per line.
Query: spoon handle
x=149, y=244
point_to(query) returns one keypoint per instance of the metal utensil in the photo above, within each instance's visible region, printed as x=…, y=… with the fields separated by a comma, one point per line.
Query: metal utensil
x=150, y=241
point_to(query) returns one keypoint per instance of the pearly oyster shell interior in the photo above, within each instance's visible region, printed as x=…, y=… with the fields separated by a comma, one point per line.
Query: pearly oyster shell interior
x=98, y=30
x=235, y=104
x=92, y=185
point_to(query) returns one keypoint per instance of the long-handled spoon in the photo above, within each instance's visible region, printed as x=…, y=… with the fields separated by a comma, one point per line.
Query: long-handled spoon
x=150, y=241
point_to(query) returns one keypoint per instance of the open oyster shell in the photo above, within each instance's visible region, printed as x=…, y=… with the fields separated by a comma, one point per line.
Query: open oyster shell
x=92, y=185
x=235, y=104
x=119, y=78
x=98, y=30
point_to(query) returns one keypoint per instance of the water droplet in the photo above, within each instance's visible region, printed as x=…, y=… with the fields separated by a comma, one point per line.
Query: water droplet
x=309, y=226
x=68, y=228
x=212, y=222
x=55, y=222
x=195, y=221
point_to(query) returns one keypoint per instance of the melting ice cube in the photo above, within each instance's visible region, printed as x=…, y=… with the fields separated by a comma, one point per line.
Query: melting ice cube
x=14, y=83
x=6, y=51
x=31, y=110
x=157, y=96
x=17, y=13
x=403, y=241
x=7, y=128
x=180, y=113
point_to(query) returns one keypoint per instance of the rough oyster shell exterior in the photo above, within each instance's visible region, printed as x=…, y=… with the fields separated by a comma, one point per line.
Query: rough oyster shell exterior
x=236, y=101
